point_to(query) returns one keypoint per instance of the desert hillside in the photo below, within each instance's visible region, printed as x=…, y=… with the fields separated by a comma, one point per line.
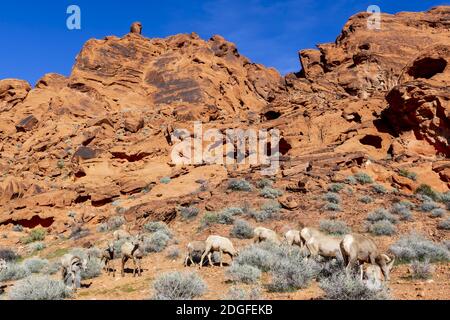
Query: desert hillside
x=364, y=147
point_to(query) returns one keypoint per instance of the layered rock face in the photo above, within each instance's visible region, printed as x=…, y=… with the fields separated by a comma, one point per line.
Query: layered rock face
x=103, y=134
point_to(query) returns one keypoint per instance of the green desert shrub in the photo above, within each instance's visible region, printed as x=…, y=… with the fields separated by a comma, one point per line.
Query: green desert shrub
x=437, y=213
x=428, y=206
x=270, y=193
x=381, y=214
x=52, y=268
x=332, y=197
x=8, y=255
x=39, y=288
x=244, y=273
x=268, y=211
x=165, y=180
x=378, y=188
x=444, y=225
x=239, y=185
x=158, y=226
x=17, y=228
x=115, y=222
x=37, y=246
x=189, y=213
x=363, y=178
x=417, y=247
x=332, y=207
x=178, y=286
x=34, y=235
x=382, y=228
x=261, y=184
x=421, y=270
x=341, y=286
x=35, y=265
x=402, y=210
x=336, y=187
x=351, y=180
x=156, y=242
x=14, y=271
x=242, y=230
x=365, y=199
x=407, y=174
x=173, y=253
x=426, y=190
x=334, y=227
x=102, y=227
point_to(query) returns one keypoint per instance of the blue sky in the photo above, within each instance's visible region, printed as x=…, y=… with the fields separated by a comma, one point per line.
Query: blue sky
x=35, y=39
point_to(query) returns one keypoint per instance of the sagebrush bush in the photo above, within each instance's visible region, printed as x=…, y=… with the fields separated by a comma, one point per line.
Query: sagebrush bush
x=446, y=243
x=336, y=187
x=39, y=288
x=244, y=273
x=381, y=214
x=256, y=256
x=378, y=188
x=165, y=180
x=445, y=197
x=341, y=286
x=407, y=174
x=363, y=178
x=428, y=206
x=242, y=230
x=52, y=268
x=334, y=227
x=437, y=213
x=239, y=185
x=236, y=293
x=17, y=228
x=382, y=228
x=78, y=232
x=158, y=226
x=332, y=207
x=402, y=211
x=444, y=225
x=173, y=253
x=270, y=193
x=292, y=272
x=178, y=286
x=94, y=266
x=421, y=270
x=268, y=211
x=261, y=184
x=35, y=265
x=115, y=222
x=102, y=227
x=351, y=180
x=416, y=247
x=332, y=197
x=37, y=246
x=188, y=213
x=366, y=199
x=8, y=255
x=156, y=242
x=407, y=204
x=34, y=235
x=14, y=272
x=426, y=190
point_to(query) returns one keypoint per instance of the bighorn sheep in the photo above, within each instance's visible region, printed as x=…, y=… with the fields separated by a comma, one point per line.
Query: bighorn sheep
x=307, y=233
x=132, y=250
x=136, y=28
x=107, y=255
x=121, y=234
x=220, y=244
x=71, y=268
x=356, y=248
x=263, y=234
x=324, y=245
x=293, y=237
x=194, y=247
x=372, y=276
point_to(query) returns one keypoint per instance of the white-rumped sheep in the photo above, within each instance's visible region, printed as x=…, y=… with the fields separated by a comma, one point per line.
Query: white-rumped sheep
x=371, y=276
x=307, y=233
x=194, y=248
x=263, y=234
x=292, y=237
x=324, y=245
x=219, y=244
x=132, y=250
x=71, y=268
x=107, y=255
x=356, y=248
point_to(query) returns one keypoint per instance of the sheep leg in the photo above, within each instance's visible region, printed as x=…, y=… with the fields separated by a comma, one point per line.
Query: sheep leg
x=186, y=260
x=134, y=267
x=221, y=258
x=204, y=256
x=124, y=260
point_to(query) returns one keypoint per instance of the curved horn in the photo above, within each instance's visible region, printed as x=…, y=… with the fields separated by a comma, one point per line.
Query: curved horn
x=385, y=256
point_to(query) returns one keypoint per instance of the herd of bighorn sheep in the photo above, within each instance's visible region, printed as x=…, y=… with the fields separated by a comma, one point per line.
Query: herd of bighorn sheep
x=353, y=249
